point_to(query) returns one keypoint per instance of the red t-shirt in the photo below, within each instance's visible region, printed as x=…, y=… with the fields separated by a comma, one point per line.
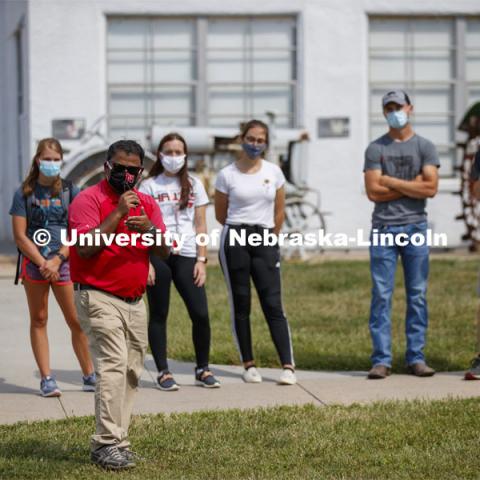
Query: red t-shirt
x=118, y=270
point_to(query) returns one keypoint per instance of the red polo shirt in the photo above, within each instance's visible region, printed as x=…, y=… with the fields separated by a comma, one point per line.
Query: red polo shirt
x=118, y=270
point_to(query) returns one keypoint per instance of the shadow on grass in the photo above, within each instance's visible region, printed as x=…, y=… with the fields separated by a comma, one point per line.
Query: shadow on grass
x=443, y=364
x=440, y=364
x=345, y=361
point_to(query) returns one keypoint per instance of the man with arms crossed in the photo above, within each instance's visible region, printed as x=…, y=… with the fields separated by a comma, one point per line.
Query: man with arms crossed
x=400, y=174
x=110, y=281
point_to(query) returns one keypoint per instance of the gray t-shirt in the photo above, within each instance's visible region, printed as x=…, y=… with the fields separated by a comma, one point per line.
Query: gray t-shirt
x=403, y=160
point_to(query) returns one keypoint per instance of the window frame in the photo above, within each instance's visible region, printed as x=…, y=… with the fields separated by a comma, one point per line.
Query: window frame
x=199, y=115
x=458, y=81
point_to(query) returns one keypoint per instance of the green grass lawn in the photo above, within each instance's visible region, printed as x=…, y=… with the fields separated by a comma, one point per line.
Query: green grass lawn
x=328, y=306
x=437, y=440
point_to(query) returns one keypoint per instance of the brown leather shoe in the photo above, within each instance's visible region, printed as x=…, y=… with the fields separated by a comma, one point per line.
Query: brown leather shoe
x=420, y=369
x=378, y=372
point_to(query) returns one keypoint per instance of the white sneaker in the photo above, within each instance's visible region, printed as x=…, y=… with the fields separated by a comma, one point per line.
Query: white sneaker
x=251, y=375
x=287, y=377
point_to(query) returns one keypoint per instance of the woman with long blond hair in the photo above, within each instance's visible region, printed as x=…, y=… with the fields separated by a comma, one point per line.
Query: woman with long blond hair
x=42, y=202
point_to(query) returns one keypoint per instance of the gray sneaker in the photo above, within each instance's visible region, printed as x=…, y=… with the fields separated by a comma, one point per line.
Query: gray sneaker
x=473, y=373
x=110, y=457
x=130, y=454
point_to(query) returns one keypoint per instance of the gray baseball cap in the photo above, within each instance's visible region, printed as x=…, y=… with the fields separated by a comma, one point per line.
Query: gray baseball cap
x=396, y=96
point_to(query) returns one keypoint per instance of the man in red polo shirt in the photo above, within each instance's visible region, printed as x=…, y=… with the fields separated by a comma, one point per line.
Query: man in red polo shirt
x=109, y=283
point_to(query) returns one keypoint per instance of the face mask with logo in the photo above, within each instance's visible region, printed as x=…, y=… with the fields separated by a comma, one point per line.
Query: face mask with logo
x=123, y=178
x=397, y=119
x=253, y=151
x=172, y=164
x=50, y=168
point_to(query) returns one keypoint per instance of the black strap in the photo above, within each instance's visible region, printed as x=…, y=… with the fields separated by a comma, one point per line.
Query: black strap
x=19, y=261
x=66, y=195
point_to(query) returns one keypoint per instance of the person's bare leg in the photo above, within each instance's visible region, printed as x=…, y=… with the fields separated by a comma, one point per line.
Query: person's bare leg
x=64, y=297
x=37, y=298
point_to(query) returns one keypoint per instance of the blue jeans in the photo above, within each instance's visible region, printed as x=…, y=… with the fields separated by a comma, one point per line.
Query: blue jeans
x=383, y=264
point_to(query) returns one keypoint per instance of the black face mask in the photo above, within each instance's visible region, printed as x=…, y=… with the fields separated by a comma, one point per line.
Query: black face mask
x=123, y=178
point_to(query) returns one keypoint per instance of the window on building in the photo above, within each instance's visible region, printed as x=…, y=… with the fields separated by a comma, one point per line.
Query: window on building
x=437, y=61
x=199, y=71
x=472, y=60
x=151, y=74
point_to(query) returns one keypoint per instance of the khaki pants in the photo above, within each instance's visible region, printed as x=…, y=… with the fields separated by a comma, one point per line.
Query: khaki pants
x=117, y=334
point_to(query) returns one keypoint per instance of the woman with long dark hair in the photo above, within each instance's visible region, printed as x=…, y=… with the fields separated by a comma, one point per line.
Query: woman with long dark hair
x=182, y=200
x=42, y=203
x=250, y=200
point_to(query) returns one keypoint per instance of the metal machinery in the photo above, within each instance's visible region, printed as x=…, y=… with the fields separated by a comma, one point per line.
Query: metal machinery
x=209, y=150
x=470, y=205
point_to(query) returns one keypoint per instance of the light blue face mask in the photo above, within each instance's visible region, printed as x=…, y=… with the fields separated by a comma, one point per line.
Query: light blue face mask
x=50, y=168
x=397, y=119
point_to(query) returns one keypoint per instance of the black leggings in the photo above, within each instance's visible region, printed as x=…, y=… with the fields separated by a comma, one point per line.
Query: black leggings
x=262, y=263
x=180, y=270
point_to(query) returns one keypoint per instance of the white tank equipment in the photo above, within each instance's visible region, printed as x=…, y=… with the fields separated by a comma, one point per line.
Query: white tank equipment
x=84, y=158
x=85, y=167
x=209, y=140
x=199, y=140
x=217, y=146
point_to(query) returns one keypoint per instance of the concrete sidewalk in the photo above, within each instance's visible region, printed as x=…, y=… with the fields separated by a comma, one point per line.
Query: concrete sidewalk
x=19, y=379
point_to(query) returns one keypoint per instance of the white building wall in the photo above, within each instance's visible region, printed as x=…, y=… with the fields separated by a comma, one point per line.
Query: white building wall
x=13, y=16
x=67, y=63
x=67, y=79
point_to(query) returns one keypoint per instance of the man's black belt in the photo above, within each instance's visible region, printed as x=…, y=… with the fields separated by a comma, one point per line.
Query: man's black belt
x=83, y=286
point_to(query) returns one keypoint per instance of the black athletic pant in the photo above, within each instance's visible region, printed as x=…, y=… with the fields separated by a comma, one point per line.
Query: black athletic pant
x=262, y=263
x=180, y=270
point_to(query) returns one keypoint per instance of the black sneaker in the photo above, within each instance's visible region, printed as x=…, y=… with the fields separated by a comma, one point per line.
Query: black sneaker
x=204, y=377
x=110, y=457
x=166, y=382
